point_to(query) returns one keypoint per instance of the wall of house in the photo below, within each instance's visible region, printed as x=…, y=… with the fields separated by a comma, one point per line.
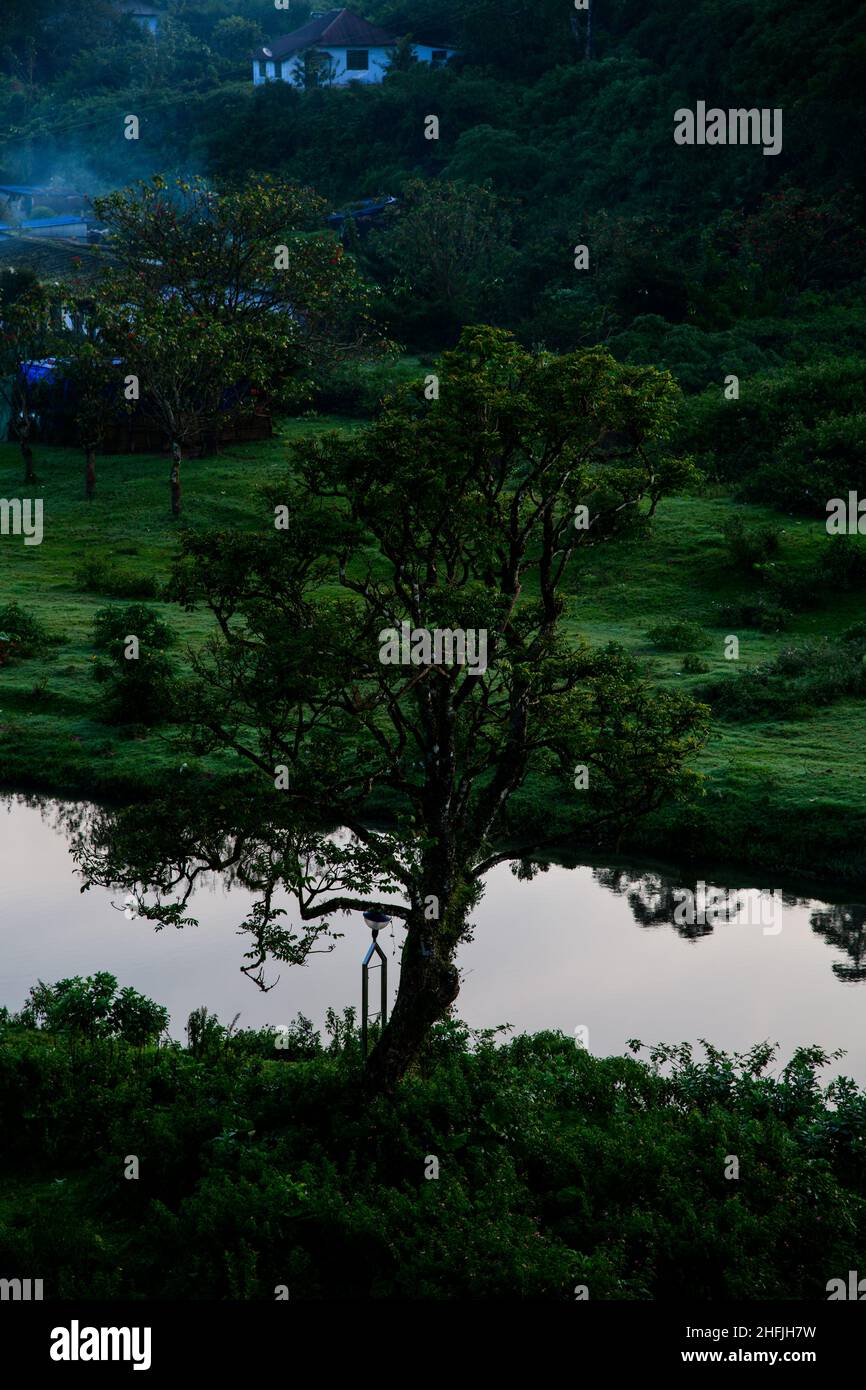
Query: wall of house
x=424, y=51
x=379, y=58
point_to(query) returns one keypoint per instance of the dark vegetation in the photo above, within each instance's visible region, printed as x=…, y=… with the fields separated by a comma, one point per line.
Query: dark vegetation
x=261, y=1167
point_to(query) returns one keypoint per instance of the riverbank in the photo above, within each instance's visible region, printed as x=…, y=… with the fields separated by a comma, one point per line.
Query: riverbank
x=782, y=796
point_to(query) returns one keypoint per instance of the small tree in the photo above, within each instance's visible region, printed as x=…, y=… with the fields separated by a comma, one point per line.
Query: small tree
x=92, y=370
x=28, y=324
x=445, y=255
x=212, y=294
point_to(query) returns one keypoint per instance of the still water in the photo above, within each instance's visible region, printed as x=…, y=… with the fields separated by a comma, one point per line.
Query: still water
x=621, y=953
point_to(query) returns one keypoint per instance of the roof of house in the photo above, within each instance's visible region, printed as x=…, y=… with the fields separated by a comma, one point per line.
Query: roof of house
x=133, y=7
x=29, y=190
x=337, y=29
x=52, y=260
x=67, y=220
x=433, y=40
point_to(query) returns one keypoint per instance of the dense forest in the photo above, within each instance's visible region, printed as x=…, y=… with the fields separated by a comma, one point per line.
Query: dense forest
x=713, y=262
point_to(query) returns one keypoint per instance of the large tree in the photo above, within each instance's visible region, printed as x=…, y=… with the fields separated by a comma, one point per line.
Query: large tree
x=458, y=514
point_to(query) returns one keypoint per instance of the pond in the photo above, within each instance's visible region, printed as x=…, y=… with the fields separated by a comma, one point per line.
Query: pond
x=616, y=952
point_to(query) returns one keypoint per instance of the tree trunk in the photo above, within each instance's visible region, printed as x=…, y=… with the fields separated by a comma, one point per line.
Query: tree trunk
x=27, y=453
x=174, y=478
x=89, y=473
x=428, y=986
x=210, y=442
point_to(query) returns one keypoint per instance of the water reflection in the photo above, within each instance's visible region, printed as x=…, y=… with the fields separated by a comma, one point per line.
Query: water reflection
x=556, y=949
x=844, y=927
x=656, y=900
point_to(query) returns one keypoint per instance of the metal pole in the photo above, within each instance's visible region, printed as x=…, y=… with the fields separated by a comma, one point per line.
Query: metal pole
x=375, y=949
x=364, y=1005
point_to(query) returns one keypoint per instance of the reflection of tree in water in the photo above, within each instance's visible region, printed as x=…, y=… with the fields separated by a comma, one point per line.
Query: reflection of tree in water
x=843, y=925
x=654, y=899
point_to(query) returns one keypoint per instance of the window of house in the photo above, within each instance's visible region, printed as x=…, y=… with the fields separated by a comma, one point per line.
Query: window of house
x=263, y=69
x=439, y=55
x=357, y=59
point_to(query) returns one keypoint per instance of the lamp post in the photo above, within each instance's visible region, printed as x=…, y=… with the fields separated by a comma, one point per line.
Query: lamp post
x=375, y=919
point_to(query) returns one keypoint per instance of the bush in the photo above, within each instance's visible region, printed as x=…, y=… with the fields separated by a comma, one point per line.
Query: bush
x=93, y=1008
x=20, y=633
x=137, y=691
x=761, y=611
x=677, y=636
x=97, y=575
x=792, y=685
x=694, y=665
x=750, y=545
x=843, y=563
x=814, y=464
x=735, y=440
x=112, y=626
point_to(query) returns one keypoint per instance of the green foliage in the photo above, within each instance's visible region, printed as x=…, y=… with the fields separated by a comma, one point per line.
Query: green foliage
x=678, y=636
x=750, y=546
x=97, y=574
x=94, y=1008
x=761, y=610
x=792, y=685
x=444, y=257
x=738, y=440
x=21, y=634
x=694, y=665
x=139, y=682
x=556, y=1168
x=111, y=627
x=813, y=464
x=214, y=298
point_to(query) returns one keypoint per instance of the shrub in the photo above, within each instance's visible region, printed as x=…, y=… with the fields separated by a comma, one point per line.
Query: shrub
x=792, y=685
x=694, y=665
x=20, y=633
x=733, y=440
x=843, y=563
x=137, y=691
x=93, y=1008
x=97, y=575
x=139, y=688
x=679, y=636
x=559, y=1168
x=750, y=545
x=761, y=612
x=814, y=463
x=112, y=626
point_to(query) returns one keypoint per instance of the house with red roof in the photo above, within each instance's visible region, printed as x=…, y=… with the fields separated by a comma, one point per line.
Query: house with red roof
x=337, y=48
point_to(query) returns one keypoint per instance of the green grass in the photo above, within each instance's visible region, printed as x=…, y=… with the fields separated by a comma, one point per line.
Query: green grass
x=787, y=796
x=51, y=736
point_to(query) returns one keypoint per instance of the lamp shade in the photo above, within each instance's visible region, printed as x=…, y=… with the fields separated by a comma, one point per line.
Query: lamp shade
x=376, y=918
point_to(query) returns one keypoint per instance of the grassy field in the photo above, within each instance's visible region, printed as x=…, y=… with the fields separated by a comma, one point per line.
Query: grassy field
x=786, y=796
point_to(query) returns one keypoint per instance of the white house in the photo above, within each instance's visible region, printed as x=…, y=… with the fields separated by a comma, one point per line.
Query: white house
x=144, y=15
x=334, y=49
